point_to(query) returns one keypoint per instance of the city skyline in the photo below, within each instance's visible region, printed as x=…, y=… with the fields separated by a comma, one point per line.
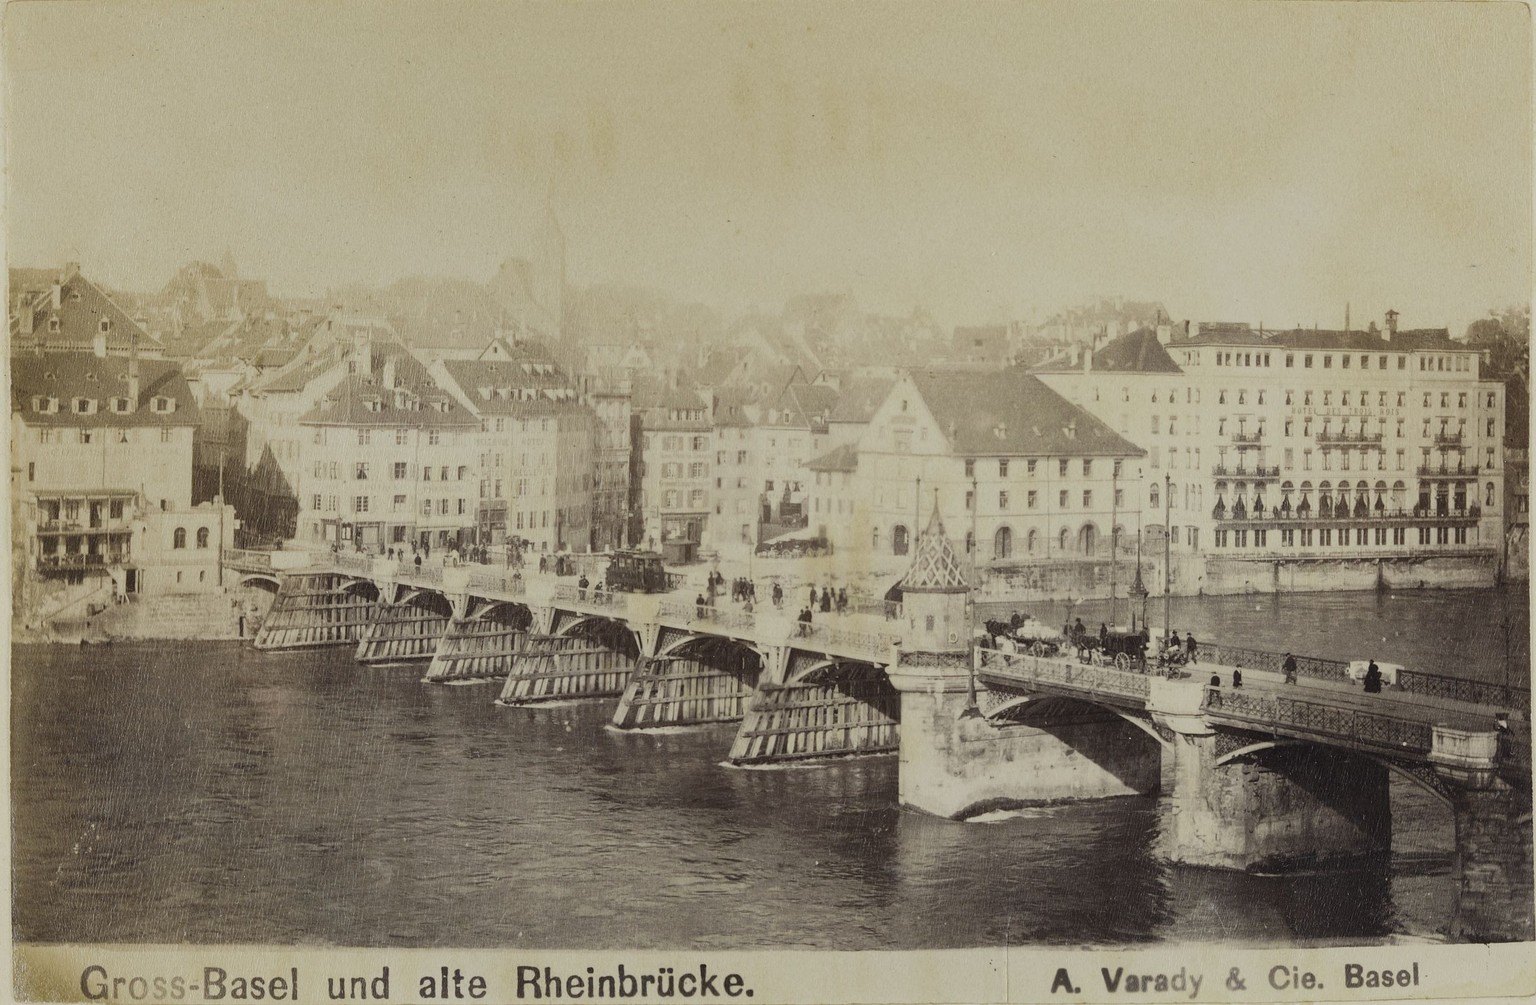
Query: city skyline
x=1261, y=163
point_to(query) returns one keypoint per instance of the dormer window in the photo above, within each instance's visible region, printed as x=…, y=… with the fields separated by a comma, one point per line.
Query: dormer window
x=119, y=405
x=162, y=405
x=45, y=405
x=84, y=406
x=106, y=325
x=53, y=325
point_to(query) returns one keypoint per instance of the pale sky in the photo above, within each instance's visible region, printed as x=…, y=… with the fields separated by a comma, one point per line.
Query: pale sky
x=1237, y=160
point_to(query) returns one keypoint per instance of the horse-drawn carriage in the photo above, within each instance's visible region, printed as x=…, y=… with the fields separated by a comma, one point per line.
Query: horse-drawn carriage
x=1121, y=648
x=1027, y=635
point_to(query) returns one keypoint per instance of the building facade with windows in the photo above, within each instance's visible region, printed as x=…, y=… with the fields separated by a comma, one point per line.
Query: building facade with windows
x=1027, y=475
x=673, y=440
x=1312, y=445
x=387, y=460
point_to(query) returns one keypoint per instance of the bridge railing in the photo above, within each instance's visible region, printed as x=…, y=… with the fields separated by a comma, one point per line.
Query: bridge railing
x=1084, y=677
x=1374, y=729
x=844, y=639
x=498, y=580
x=1258, y=659
x=719, y=617
x=1513, y=699
x=609, y=600
x=352, y=562
x=890, y=610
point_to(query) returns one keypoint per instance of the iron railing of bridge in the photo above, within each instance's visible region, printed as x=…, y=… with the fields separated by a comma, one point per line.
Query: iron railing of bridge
x=352, y=562
x=845, y=638
x=1349, y=725
x=890, y=610
x=706, y=613
x=1501, y=696
x=589, y=597
x=509, y=583
x=1084, y=677
x=1258, y=659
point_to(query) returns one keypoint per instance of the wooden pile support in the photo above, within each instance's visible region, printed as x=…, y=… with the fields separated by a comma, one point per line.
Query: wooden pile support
x=845, y=708
x=311, y=610
x=480, y=648
x=709, y=683
x=401, y=632
x=556, y=667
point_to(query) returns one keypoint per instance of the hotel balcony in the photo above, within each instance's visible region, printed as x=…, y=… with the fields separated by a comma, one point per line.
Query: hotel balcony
x=1346, y=438
x=1244, y=439
x=1444, y=471
x=1448, y=439
x=1252, y=473
x=1316, y=518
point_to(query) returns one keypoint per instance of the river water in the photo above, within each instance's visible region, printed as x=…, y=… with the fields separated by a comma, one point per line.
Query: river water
x=204, y=792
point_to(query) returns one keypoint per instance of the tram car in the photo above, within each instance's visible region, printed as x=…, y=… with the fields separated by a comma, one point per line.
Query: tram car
x=636, y=572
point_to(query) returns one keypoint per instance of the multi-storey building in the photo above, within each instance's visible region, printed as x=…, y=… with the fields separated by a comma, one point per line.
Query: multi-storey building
x=793, y=430
x=738, y=477
x=1309, y=444
x=605, y=390
x=535, y=448
x=387, y=459
x=1025, y=472
x=73, y=314
x=673, y=443
x=102, y=450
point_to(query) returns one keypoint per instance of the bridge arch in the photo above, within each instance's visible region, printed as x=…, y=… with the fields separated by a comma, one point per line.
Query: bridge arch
x=427, y=600
x=1028, y=709
x=365, y=588
x=610, y=633
x=261, y=581
x=1259, y=747
x=510, y=612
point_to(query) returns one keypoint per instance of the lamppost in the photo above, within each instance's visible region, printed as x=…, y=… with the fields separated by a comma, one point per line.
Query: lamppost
x=1167, y=550
x=1114, y=556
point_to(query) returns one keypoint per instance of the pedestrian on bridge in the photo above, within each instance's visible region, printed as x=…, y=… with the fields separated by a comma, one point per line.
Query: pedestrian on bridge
x=699, y=604
x=1189, y=647
x=1289, y=668
x=581, y=587
x=778, y=596
x=1373, y=678
x=805, y=621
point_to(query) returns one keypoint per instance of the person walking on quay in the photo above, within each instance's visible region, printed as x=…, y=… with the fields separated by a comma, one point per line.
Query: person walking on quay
x=1289, y=668
x=1189, y=647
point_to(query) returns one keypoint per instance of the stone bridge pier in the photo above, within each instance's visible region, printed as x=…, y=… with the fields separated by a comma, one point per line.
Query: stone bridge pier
x=1231, y=802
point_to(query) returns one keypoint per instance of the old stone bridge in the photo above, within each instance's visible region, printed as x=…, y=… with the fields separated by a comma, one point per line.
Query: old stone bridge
x=1272, y=775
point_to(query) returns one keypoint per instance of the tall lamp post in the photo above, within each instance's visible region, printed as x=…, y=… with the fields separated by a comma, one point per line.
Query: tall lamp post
x=1114, y=540
x=1167, y=551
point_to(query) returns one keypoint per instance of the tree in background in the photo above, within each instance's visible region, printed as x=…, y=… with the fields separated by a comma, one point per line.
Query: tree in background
x=1506, y=335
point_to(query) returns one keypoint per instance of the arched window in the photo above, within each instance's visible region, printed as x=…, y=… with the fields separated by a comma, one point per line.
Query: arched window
x=1488, y=494
x=202, y=537
x=1399, y=495
x=179, y=539
x=1061, y=539
x=1153, y=496
x=899, y=539
x=1031, y=541
x=1087, y=539
x=1002, y=543
x=874, y=537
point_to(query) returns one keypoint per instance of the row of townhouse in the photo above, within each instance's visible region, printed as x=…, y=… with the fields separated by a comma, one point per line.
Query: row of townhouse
x=1306, y=444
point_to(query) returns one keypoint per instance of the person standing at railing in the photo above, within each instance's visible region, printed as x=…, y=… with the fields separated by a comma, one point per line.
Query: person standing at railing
x=1373, y=679
x=1189, y=647
x=581, y=587
x=1289, y=668
x=805, y=622
x=698, y=603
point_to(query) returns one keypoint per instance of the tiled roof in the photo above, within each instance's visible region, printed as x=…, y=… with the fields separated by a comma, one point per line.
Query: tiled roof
x=803, y=406
x=82, y=308
x=413, y=400
x=66, y=377
x=994, y=413
x=518, y=387
x=1136, y=352
x=1405, y=340
x=843, y=458
x=935, y=566
x=858, y=399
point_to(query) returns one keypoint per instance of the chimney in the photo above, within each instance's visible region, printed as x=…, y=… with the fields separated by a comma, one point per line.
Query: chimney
x=1391, y=325
x=362, y=352
x=71, y=270
x=1165, y=333
x=57, y=295
x=99, y=344
x=133, y=369
x=389, y=373
x=26, y=315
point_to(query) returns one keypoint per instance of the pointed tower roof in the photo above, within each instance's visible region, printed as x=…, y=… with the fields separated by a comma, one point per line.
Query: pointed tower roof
x=935, y=566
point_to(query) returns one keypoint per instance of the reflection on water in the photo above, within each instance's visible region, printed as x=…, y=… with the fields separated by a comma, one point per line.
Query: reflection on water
x=201, y=792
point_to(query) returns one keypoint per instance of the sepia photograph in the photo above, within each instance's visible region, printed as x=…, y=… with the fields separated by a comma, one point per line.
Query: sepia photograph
x=899, y=501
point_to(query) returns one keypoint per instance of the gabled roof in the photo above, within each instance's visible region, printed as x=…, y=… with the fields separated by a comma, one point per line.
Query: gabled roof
x=1136, y=352
x=843, y=458
x=857, y=399
x=65, y=377
x=803, y=406
x=990, y=413
x=935, y=566
x=413, y=399
x=526, y=385
x=81, y=309
x=1405, y=340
